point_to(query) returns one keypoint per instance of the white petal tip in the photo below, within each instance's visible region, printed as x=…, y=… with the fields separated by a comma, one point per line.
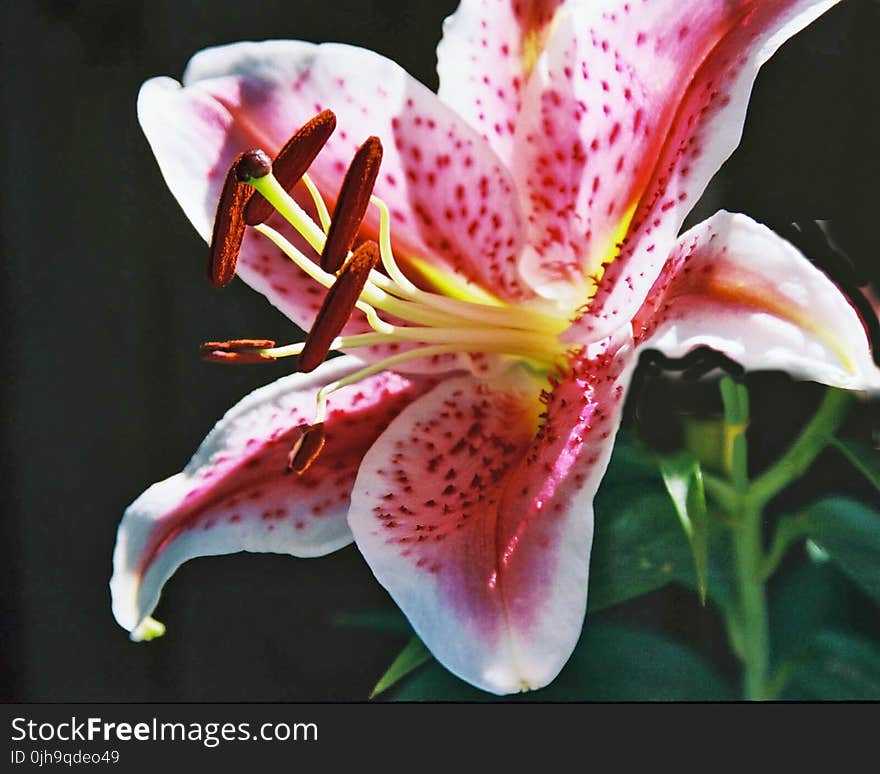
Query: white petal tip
x=506, y=679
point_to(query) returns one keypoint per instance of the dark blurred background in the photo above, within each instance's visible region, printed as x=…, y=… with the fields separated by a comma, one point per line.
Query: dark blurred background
x=105, y=303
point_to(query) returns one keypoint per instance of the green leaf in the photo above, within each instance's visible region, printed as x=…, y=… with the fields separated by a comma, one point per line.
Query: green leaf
x=809, y=597
x=849, y=532
x=637, y=546
x=391, y=621
x=865, y=459
x=631, y=464
x=834, y=666
x=684, y=482
x=411, y=657
x=610, y=663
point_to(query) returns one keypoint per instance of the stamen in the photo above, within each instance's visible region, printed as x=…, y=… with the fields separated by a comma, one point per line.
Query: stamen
x=292, y=161
x=343, y=342
x=237, y=345
x=447, y=325
x=351, y=206
x=548, y=361
x=338, y=305
x=306, y=448
x=238, y=351
x=475, y=312
x=370, y=297
x=229, y=223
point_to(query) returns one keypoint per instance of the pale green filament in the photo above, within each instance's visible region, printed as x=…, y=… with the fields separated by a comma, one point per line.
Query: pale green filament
x=396, y=283
x=372, y=296
x=319, y=275
x=484, y=314
x=445, y=324
x=536, y=348
x=320, y=206
x=341, y=342
x=417, y=354
x=388, y=261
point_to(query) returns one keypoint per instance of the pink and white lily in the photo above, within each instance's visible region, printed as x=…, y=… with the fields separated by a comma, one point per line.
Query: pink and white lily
x=527, y=220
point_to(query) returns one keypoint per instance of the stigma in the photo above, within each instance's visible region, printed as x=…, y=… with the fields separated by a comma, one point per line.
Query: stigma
x=361, y=277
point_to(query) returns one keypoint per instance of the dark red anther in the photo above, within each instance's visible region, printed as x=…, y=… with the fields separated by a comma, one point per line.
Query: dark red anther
x=229, y=224
x=351, y=206
x=338, y=306
x=306, y=448
x=293, y=161
x=237, y=345
x=238, y=351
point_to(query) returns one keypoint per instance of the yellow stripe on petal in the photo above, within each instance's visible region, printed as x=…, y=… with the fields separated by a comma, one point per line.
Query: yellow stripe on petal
x=534, y=42
x=595, y=268
x=532, y=46
x=749, y=292
x=453, y=285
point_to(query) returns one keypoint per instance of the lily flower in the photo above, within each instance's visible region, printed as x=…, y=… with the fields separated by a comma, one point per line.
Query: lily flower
x=497, y=256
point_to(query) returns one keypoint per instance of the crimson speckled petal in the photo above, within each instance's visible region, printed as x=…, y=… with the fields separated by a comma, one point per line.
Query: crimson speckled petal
x=476, y=515
x=631, y=110
x=487, y=54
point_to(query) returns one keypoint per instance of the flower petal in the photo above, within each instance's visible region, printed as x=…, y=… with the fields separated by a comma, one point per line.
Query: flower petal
x=451, y=198
x=235, y=494
x=631, y=110
x=485, y=58
x=735, y=286
x=479, y=523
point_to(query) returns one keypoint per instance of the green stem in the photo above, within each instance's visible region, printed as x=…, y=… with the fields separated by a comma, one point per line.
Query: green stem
x=755, y=642
x=801, y=454
x=788, y=530
x=744, y=503
x=721, y=492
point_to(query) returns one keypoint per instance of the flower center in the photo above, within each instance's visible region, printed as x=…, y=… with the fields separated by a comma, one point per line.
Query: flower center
x=421, y=323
